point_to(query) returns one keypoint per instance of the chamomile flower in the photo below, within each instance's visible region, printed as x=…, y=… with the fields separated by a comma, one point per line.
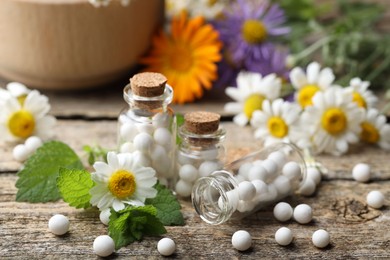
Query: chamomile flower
x=309, y=83
x=120, y=181
x=333, y=121
x=22, y=119
x=252, y=89
x=375, y=130
x=361, y=95
x=276, y=122
x=14, y=89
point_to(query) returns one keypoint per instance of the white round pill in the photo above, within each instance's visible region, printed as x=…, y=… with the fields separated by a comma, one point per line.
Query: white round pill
x=207, y=167
x=320, y=238
x=314, y=174
x=33, y=143
x=145, y=128
x=210, y=154
x=188, y=173
x=245, y=169
x=375, y=199
x=308, y=187
x=282, y=185
x=127, y=147
x=142, y=159
x=20, y=153
x=292, y=170
x=257, y=172
x=270, y=166
x=103, y=246
x=246, y=190
x=260, y=186
x=162, y=136
x=143, y=142
x=278, y=157
x=160, y=120
x=303, y=214
x=166, y=246
x=104, y=216
x=361, y=172
x=241, y=240
x=283, y=211
x=128, y=131
x=283, y=236
x=58, y=224
x=183, y=188
x=245, y=205
x=158, y=153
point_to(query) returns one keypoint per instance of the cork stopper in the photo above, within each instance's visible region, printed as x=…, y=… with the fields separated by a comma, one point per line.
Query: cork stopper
x=201, y=122
x=148, y=84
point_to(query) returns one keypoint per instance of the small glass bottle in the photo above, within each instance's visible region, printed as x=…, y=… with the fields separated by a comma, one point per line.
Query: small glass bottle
x=201, y=151
x=249, y=183
x=148, y=127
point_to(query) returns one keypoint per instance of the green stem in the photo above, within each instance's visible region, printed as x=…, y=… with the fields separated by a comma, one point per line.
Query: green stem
x=312, y=48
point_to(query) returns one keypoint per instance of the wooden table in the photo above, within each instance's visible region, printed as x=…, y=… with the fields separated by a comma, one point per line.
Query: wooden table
x=89, y=117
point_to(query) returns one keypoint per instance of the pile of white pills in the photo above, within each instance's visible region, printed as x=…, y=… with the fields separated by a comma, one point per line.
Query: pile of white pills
x=150, y=140
x=312, y=180
x=22, y=151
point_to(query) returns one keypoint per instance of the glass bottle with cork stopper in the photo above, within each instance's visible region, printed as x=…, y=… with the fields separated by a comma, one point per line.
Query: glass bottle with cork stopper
x=201, y=150
x=148, y=126
x=250, y=183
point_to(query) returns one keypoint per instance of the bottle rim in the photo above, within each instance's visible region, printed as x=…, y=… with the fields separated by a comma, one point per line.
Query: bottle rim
x=165, y=98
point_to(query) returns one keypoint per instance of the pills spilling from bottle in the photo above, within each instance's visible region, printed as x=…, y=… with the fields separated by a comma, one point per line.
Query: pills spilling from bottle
x=375, y=199
x=283, y=211
x=58, y=224
x=241, y=240
x=166, y=246
x=321, y=238
x=103, y=246
x=361, y=172
x=303, y=213
x=283, y=236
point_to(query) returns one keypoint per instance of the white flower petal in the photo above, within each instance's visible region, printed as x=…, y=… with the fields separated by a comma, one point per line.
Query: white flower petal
x=233, y=107
x=112, y=160
x=326, y=78
x=118, y=205
x=298, y=78
x=240, y=119
x=313, y=70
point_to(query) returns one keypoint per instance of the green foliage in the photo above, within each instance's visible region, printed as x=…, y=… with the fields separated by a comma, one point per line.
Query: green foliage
x=168, y=208
x=132, y=223
x=74, y=186
x=179, y=123
x=95, y=153
x=37, y=180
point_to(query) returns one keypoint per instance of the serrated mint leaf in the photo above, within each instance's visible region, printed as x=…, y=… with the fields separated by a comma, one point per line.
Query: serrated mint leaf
x=38, y=179
x=168, y=208
x=132, y=223
x=74, y=186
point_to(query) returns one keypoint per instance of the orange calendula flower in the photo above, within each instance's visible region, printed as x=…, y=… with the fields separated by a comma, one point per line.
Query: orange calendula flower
x=187, y=57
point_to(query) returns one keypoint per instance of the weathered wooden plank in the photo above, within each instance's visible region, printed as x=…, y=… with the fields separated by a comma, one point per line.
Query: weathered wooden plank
x=356, y=230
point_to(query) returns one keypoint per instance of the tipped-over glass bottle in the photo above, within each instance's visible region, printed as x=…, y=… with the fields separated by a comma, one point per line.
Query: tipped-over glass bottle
x=201, y=151
x=249, y=183
x=148, y=127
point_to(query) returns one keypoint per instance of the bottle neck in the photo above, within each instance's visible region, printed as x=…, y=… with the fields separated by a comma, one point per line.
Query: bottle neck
x=201, y=141
x=215, y=197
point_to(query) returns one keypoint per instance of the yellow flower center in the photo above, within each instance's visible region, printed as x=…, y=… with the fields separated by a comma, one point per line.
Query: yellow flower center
x=356, y=97
x=369, y=133
x=277, y=127
x=334, y=121
x=181, y=58
x=21, y=124
x=306, y=94
x=253, y=103
x=122, y=184
x=21, y=99
x=254, y=31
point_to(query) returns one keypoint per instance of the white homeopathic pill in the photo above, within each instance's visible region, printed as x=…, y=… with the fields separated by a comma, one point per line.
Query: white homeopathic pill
x=303, y=213
x=183, y=188
x=20, y=153
x=314, y=174
x=162, y=136
x=292, y=170
x=361, y=172
x=166, y=246
x=128, y=131
x=241, y=240
x=308, y=187
x=283, y=211
x=283, y=236
x=103, y=246
x=246, y=190
x=33, y=143
x=320, y=238
x=244, y=169
x=143, y=142
x=271, y=166
x=104, y=216
x=375, y=199
x=257, y=172
x=282, y=185
x=58, y=224
x=188, y=173
x=207, y=167
x=278, y=157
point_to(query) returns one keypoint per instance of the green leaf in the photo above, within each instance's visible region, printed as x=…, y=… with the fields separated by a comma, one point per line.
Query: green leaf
x=179, y=123
x=74, y=186
x=132, y=223
x=37, y=180
x=168, y=208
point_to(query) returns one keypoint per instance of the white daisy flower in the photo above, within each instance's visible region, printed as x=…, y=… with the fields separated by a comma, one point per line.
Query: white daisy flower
x=307, y=84
x=375, y=130
x=361, y=95
x=121, y=181
x=252, y=89
x=276, y=122
x=22, y=119
x=14, y=89
x=333, y=121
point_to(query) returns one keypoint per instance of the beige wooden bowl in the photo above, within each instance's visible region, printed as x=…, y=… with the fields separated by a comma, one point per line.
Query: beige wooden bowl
x=69, y=44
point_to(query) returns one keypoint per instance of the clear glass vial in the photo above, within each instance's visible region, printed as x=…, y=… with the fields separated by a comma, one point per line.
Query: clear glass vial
x=249, y=183
x=148, y=126
x=201, y=150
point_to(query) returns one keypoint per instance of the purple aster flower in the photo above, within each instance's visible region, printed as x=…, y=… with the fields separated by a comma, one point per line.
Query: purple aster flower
x=248, y=28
